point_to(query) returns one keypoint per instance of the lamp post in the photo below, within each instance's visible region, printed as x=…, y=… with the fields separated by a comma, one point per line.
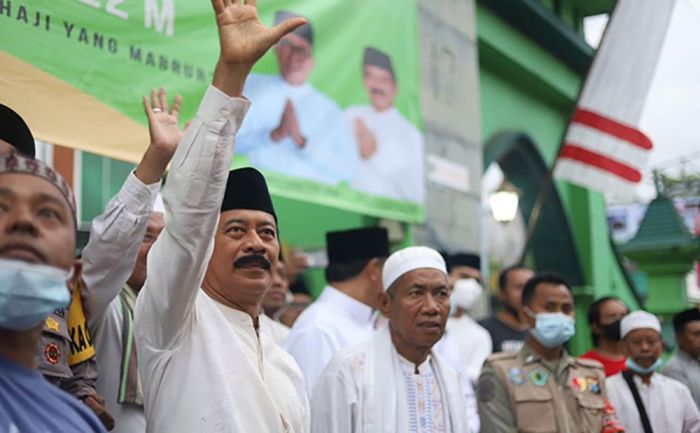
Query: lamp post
x=504, y=203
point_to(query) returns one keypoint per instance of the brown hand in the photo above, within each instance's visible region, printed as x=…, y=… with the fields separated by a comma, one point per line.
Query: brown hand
x=97, y=404
x=283, y=130
x=365, y=139
x=294, y=128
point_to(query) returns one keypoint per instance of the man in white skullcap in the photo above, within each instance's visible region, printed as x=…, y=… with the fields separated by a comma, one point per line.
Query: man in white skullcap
x=395, y=382
x=645, y=401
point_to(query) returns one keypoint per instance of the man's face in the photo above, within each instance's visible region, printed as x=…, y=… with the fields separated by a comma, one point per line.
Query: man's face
x=295, y=58
x=36, y=222
x=549, y=298
x=464, y=273
x=610, y=312
x=643, y=346
x=380, y=86
x=419, y=307
x=512, y=293
x=156, y=223
x=689, y=338
x=245, y=251
x=276, y=297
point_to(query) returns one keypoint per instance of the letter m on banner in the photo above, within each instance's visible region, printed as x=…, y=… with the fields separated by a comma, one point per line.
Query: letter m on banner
x=603, y=148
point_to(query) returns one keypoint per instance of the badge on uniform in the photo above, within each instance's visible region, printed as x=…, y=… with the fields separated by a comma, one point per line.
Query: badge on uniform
x=579, y=383
x=593, y=385
x=538, y=377
x=52, y=324
x=516, y=376
x=52, y=353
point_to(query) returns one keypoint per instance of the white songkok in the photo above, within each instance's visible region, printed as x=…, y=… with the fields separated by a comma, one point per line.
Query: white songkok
x=409, y=259
x=639, y=320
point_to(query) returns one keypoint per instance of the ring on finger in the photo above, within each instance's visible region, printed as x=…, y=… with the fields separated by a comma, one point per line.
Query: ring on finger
x=157, y=110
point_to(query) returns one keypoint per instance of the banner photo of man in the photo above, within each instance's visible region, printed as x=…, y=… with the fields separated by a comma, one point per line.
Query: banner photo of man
x=335, y=118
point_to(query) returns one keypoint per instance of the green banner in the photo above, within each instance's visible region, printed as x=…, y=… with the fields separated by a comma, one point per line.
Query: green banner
x=335, y=118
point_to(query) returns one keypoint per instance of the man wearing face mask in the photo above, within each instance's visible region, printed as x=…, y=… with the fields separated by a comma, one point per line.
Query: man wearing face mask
x=37, y=246
x=541, y=387
x=647, y=401
x=604, y=316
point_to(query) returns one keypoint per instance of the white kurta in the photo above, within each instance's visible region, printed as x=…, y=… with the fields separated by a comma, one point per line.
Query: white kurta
x=396, y=169
x=370, y=388
x=108, y=260
x=276, y=331
x=333, y=322
x=330, y=154
x=203, y=366
x=668, y=403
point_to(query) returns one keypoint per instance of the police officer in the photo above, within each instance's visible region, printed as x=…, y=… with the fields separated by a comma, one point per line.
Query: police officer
x=66, y=355
x=541, y=388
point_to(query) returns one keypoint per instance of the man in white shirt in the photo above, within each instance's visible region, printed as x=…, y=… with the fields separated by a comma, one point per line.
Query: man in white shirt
x=204, y=365
x=666, y=404
x=293, y=128
x=115, y=268
x=684, y=366
x=390, y=147
x=344, y=313
x=395, y=382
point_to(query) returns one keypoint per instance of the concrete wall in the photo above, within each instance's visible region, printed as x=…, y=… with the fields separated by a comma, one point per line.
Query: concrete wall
x=450, y=104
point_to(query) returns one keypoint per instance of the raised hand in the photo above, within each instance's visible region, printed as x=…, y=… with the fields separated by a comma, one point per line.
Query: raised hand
x=163, y=124
x=165, y=134
x=365, y=139
x=243, y=39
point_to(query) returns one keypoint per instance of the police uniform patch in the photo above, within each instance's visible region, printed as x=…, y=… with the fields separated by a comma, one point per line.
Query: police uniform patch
x=52, y=353
x=539, y=377
x=579, y=383
x=516, y=376
x=486, y=389
x=52, y=324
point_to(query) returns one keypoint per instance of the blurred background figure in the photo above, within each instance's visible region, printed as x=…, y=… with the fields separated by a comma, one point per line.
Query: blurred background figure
x=604, y=316
x=275, y=300
x=684, y=366
x=507, y=331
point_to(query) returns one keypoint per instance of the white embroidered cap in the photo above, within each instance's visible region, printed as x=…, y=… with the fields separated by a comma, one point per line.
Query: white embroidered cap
x=639, y=320
x=409, y=259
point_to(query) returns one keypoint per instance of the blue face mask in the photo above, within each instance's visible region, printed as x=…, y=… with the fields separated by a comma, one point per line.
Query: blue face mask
x=29, y=293
x=641, y=370
x=552, y=329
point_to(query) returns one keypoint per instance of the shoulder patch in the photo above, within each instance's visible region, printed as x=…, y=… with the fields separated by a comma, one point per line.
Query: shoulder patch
x=589, y=363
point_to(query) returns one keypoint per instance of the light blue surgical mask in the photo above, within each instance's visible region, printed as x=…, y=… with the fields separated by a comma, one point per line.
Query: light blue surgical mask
x=641, y=370
x=29, y=293
x=551, y=329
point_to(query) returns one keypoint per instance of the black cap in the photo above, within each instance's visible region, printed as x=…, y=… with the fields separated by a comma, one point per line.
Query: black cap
x=464, y=259
x=15, y=131
x=378, y=58
x=246, y=189
x=304, y=31
x=689, y=315
x=357, y=244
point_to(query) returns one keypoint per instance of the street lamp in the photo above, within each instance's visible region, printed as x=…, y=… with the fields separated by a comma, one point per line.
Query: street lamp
x=504, y=202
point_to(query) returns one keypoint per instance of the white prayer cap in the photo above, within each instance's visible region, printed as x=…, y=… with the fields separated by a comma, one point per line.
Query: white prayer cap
x=409, y=259
x=639, y=320
x=158, y=205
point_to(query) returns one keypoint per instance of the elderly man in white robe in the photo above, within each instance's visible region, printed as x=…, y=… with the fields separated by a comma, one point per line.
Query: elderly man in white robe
x=204, y=365
x=395, y=382
x=645, y=400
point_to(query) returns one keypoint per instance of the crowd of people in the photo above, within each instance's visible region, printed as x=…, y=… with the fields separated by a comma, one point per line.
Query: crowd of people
x=177, y=316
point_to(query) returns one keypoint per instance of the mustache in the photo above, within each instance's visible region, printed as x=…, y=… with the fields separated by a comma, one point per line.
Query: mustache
x=252, y=260
x=378, y=92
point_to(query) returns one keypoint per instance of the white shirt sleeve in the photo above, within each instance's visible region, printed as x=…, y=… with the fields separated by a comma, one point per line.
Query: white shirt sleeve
x=312, y=348
x=115, y=237
x=192, y=197
x=335, y=404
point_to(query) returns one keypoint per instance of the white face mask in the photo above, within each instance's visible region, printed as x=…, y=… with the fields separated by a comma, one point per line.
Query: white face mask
x=29, y=293
x=465, y=293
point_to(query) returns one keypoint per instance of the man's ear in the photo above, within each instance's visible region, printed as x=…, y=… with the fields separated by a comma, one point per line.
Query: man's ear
x=525, y=318
x=373, y=271
x=384, y=303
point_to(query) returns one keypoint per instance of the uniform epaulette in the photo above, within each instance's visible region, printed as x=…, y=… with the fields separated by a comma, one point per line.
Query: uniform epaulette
x=501, y=356
x=589, y=363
